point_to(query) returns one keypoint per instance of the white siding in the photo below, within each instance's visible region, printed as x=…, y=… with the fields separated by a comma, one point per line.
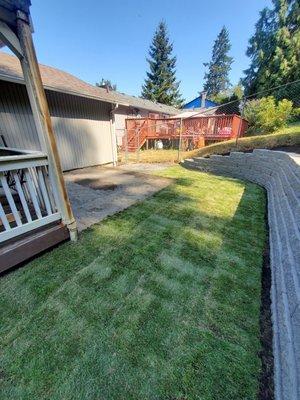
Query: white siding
x=81, y=125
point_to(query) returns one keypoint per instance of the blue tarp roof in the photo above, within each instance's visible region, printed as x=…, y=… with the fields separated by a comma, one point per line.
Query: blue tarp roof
x=196, y=103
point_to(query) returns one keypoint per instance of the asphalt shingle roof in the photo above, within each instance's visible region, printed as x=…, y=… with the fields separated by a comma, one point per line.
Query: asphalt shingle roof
x=55, y=79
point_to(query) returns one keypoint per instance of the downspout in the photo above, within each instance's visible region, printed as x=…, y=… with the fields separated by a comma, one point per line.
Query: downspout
x=113, y=134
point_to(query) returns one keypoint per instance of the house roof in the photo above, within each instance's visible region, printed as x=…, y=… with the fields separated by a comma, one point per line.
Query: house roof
x=196, y=103
x=60, y=81
x=195, y=112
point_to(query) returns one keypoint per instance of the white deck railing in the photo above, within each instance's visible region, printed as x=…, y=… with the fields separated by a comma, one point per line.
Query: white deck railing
x=27, y=199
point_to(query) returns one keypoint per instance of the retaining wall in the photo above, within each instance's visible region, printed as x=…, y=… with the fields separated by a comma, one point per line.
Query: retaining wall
x=279, y=173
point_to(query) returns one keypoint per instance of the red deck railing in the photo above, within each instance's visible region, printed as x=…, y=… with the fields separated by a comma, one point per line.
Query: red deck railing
x=210, y=128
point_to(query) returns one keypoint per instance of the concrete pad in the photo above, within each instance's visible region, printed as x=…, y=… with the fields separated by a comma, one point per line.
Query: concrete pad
x=147, y=168
x=97, y=192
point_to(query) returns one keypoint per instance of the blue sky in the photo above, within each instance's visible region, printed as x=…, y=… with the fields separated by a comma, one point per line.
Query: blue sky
x=111, y=38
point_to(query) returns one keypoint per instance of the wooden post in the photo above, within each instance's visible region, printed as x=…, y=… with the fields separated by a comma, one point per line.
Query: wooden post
x=42, y=120
x=180, y=140
x=138, y=145
x=235, y=126
x=239, y=131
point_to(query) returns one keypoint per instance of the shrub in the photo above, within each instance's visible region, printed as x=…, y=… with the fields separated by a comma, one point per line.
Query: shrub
x=296, y=114
x=265, y=115
x=250, y=112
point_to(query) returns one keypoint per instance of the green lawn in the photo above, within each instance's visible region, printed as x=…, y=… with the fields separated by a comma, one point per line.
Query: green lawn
x=160, y=301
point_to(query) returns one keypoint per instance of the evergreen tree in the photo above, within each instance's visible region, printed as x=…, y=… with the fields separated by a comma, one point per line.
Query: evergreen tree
x=285, y=62
x=161, y=85
x=274, y=49
x=260, y=51
x=217, y=79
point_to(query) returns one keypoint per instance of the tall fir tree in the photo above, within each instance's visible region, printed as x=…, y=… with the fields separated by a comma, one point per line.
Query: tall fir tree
x=217, y=77
x=260, y=51
x=285, y=62
x=274, y=49
x=161, y=84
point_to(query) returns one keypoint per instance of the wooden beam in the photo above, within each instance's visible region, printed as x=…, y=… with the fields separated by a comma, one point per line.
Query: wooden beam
x=41, y=115
x=7, y=16
x=8, y=37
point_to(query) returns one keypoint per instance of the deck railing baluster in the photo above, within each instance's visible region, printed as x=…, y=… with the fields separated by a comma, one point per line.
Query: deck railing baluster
x=22, y=197
x=4, y=219
x=10, y=199
x=33, y=194
x=33, y=205
x=44, y=190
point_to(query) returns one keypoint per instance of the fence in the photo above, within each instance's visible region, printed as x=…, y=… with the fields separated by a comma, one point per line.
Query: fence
x=190, y=131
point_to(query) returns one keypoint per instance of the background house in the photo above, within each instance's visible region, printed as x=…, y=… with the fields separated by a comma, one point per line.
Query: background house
x=87, y=120
x=200, y=102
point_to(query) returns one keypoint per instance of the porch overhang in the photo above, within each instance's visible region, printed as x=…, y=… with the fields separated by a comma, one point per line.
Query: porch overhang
x=33, y=193
x=9, y=9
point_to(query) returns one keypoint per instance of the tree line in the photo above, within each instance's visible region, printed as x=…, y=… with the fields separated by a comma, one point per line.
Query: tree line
x=273, y=51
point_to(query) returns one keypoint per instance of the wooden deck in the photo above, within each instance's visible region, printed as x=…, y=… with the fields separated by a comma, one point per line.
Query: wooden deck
x=20, y=249
x=30, y=221
x=33, y=180
x=195, y=131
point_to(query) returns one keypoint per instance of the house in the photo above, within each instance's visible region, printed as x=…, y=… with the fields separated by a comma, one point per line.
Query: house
x=201, y=102
x=50, y=121
x=87, y=120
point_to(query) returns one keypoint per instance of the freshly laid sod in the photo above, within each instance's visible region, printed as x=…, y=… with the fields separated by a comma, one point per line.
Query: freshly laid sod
x=161, y=301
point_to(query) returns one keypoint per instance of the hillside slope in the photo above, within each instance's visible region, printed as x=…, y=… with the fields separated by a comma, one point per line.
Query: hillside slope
x=288, y=137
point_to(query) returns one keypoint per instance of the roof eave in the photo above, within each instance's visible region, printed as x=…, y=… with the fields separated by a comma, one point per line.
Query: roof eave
x=15, y=79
